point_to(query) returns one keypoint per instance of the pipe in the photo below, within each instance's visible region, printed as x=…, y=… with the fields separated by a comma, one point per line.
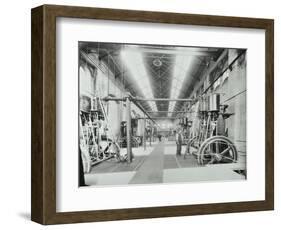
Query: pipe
x=131, y=98
x=163, y=111
x=159, y=118
x=162, y=99
x=113, y=99
x=143, y=110
x=146, y=99
x=129, y=138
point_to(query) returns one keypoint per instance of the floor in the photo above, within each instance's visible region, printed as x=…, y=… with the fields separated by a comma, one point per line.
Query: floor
x=159, y=164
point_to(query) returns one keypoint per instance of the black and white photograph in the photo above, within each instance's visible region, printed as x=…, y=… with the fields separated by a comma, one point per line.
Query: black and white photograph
x=153, y=114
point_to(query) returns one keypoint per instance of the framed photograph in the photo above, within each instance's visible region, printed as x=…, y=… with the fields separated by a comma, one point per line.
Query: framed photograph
x=140, y=114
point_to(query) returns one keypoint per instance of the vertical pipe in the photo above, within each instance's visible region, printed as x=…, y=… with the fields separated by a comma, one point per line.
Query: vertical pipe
x=144, y=134
x=128, y=118
x=150, y=134
x=107, y=107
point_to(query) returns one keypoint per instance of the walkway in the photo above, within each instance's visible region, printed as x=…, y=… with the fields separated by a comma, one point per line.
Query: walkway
x=151, y=171
x=159, y=164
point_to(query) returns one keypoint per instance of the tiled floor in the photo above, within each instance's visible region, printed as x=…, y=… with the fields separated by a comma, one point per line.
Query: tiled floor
x=159, y=164
x=151, y=171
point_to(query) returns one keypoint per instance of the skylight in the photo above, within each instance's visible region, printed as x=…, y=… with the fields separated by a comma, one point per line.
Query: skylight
x=133, y=61
x=181, y=69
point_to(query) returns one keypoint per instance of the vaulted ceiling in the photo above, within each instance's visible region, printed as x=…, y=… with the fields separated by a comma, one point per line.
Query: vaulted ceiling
x=159, y=63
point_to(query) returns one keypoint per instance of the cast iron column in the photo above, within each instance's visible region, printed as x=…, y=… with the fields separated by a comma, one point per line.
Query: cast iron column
x=129, y=129
x=144, y=134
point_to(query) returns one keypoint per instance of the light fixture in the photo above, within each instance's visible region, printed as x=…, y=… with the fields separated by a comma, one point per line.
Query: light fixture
x=157, y=62
x=133, y=61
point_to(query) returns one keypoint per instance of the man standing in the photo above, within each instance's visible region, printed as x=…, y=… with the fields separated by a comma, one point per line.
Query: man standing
x=179, y=139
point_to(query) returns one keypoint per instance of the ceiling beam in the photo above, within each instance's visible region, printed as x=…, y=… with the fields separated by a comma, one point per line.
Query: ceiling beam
x=162, y=99
x=166, y=111
x=181, y=52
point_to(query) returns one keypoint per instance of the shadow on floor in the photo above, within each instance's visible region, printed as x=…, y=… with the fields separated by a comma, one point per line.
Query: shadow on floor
x=25, y=215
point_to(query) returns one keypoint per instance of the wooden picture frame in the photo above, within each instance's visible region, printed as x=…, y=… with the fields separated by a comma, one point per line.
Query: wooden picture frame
x=43, y=205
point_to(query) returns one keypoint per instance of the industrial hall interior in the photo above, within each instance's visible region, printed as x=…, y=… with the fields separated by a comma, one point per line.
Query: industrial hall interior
x=152, y=114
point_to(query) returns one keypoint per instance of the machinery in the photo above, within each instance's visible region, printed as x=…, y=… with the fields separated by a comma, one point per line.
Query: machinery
x=209, y=142
x=97, y=143
x=122, y=140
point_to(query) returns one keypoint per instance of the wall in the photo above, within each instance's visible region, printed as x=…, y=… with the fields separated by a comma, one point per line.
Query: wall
x=232, y=89
x=100, y=81
x=15, y=124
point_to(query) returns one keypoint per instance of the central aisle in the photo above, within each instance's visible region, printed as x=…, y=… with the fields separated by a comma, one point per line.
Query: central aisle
x=159, y=164
x=151, y=171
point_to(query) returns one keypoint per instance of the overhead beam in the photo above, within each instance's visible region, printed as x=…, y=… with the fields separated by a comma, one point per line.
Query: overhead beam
x=147, y=99
x=162, y=99
x=179, y=52
x=131, y=99
x=114, y=99
x=155, y=118
x=165, y=111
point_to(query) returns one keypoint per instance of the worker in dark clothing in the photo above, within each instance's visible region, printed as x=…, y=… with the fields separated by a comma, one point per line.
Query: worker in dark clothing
x=179, y=140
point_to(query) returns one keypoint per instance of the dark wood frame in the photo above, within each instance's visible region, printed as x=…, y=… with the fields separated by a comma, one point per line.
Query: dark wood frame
x=43, y=188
